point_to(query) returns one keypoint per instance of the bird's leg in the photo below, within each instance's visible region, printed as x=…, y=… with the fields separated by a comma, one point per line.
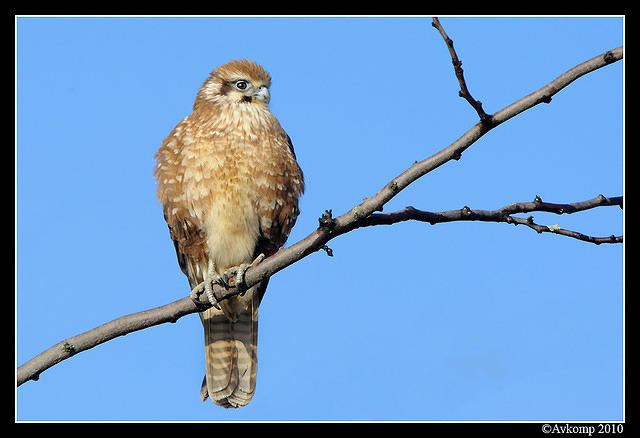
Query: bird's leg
x=239, y=273
x=211, y=279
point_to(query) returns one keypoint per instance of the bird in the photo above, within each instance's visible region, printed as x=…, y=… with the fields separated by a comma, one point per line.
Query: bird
x=229, y=184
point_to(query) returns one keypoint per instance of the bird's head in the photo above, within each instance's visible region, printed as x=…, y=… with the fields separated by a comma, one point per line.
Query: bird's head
x=239, y=81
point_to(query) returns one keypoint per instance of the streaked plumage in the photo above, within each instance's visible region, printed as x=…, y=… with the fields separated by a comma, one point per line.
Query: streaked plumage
x=229, y=184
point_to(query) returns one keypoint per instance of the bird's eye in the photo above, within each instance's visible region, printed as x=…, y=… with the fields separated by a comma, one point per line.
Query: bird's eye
x=242, y=84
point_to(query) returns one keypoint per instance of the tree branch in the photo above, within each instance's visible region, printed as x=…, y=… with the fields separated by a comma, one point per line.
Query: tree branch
x=504, y=214
x=457, y=65
x=329, y=228
x=118, y=327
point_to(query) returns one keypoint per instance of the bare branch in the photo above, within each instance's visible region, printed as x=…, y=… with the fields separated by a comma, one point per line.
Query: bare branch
x=329, y=228
x=457, y=65
x=504, y=214
x=557, y=230
x=118, y=327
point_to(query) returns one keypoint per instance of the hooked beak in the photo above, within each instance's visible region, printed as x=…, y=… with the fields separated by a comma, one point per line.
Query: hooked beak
x=262, y=94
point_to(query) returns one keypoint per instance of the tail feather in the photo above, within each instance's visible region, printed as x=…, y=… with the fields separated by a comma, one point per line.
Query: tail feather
x=220, y=355
x=231, y=360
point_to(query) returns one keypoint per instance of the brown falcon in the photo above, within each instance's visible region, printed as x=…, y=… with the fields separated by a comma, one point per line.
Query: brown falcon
x=229, y=184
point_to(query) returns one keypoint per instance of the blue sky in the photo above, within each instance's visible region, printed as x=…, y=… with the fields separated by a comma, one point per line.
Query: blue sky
x=457, y=321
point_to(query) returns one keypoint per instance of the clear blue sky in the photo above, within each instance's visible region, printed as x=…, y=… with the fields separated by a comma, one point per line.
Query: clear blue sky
x=458, y=321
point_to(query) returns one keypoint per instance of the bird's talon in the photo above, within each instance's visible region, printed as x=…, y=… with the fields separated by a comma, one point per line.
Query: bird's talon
x=208, y=290
x=195, y=293
x=212, y=278
x=237, y=273
x=242, y=269
x=240, y=284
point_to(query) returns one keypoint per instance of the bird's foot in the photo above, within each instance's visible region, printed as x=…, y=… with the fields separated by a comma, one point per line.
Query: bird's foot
x=211, y=279
x=238, y=273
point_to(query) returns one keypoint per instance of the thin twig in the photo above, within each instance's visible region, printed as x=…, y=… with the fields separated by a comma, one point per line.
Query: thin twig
x=457, y=66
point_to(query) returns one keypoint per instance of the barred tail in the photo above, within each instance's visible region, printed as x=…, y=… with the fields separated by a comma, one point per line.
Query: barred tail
x=231, y=347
